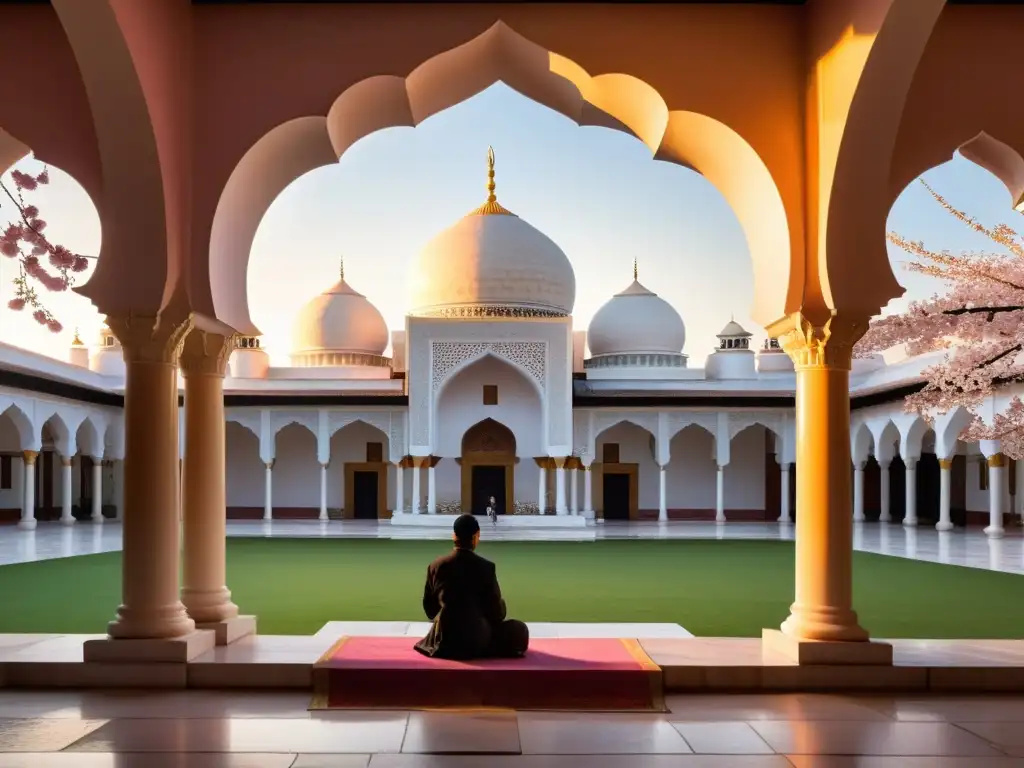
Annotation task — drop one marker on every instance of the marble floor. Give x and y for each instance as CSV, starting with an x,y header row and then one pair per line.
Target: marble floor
x,y
205,729
967,547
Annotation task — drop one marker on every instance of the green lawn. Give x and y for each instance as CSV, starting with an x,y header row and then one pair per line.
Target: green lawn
x,y
709,587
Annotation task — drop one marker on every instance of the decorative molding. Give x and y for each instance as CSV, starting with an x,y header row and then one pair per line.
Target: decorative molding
x,y
740,420
636,361
448,357
483,311
338,420
281,419
677,421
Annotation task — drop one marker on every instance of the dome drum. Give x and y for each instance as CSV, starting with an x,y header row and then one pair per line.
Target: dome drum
x,y
324,359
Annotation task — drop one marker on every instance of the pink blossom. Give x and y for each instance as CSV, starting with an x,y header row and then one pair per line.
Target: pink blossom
x,y
44,177
40,317
80,265
979,322
54,325
23,181
16,304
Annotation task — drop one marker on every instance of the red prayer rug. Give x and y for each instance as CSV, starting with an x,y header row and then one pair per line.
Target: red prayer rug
x,y
602,675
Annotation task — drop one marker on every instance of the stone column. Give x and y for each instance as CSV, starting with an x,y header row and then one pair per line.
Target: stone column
x,y
784,504
945,522
910,517
97,489
574,494
28,491
662,494
858,492
822,609
119,489
720,495
204,508
996,486
66,490
416,495
323,493
588,490
431,487
560,508
150,608
268,491
399,488
542,489
885,500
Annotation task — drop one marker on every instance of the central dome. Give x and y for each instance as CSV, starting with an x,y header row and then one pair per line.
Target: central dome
x,y
491,263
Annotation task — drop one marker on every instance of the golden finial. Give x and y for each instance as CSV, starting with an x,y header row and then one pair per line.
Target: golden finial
x,y
76,342
634,268
492,206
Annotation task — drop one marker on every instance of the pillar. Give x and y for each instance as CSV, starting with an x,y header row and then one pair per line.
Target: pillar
x,y
910,518
119,489
945,522
323,493
66,490
97,489
268,491
150,607
822,608
542,490
662,494
858,492
588,491
574,494
399,489
560,508
884,502
720,495
416,497
431,487
784,503
996,487
204,505
28,491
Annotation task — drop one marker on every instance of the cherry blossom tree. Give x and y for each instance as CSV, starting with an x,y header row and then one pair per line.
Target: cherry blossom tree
x,y
23,240
979,321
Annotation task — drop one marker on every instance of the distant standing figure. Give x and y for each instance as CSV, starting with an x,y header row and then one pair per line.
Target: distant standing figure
x,y
463,600
492,510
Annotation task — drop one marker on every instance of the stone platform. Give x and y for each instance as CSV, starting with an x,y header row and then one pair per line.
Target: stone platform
x,y
690,664
505,522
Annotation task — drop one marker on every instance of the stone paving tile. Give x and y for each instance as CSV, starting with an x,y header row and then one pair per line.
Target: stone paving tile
x,y
723,739
592,734
570,761
162,760
480,733
43,735
847,761
869,738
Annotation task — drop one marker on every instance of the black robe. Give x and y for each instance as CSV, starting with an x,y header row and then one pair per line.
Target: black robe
x,y
463,600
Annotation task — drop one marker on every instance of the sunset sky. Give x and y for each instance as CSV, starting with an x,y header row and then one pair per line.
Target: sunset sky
x,y
596,192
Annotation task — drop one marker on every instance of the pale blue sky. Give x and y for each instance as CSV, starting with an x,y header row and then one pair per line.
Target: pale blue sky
x,y
596,192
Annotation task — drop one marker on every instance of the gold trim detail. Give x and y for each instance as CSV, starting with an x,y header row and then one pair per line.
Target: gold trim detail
x,y
996,460
492,207
946,463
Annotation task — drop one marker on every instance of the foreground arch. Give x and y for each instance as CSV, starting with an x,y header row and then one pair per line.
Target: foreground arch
x,y
500,54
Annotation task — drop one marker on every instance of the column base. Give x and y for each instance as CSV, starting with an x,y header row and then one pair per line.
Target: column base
x,y
157,650
27,525
719,521
97,520
912,523
784,520
67,521
943,526
992,531
826,652
885,519
858,518
230,630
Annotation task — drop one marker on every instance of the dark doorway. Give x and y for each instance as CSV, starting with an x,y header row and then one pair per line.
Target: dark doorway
x,y
488,481
928,488
364,495
616,496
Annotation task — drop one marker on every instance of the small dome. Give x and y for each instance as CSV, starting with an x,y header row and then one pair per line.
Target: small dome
x,y
734,330
339,320
491,263
636,321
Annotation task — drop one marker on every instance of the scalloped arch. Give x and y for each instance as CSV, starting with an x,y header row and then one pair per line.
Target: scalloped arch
x,y
612,100
27,433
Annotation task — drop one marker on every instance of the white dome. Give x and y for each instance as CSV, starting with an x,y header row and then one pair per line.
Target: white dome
x,y
636,321
339,320
491,263
734,330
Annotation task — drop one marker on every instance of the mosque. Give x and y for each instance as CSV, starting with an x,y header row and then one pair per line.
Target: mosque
x,y
490,391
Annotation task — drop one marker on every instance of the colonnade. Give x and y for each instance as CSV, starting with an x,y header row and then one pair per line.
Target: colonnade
x,y
29,460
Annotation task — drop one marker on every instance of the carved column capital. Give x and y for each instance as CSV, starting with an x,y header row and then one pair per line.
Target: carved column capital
x,y
945,463
206,354
150,339
828,345
997,460
65,461
29,457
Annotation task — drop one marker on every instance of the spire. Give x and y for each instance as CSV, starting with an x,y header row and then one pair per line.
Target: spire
x,y
77,342
634,268
341,269
492,206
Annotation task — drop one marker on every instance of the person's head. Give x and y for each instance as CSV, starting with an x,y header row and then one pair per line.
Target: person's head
x,y
492,500
466,532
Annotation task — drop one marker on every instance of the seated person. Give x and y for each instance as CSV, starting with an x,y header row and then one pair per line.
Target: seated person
x,y
463,600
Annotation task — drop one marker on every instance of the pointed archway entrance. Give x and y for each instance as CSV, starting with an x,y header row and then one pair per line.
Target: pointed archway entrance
x,y
488,466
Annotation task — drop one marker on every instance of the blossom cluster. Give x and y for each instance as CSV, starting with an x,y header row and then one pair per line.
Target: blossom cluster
x,y
25,241
979,322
